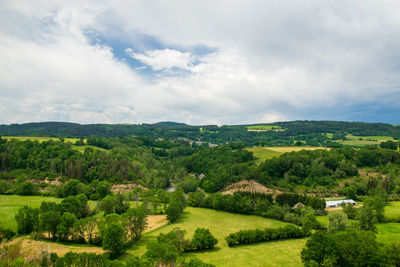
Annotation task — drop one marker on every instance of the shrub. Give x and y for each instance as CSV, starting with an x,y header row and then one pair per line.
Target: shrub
x,y
268,234
203,239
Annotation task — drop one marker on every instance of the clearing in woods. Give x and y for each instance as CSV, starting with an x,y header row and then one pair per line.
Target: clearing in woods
x,y
353,140
264,128
220,224
264,153
10,204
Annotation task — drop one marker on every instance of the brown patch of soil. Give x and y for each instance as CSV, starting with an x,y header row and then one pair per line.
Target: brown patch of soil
x,y
155,221
124,188
33,247
249,186
340,208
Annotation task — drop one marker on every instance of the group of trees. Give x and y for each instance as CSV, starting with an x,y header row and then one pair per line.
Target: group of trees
x,y
343,248
309,132
71,220
135,159
176,206
13,255
168,247
221,166
226,164
353,243
263,205
268,234
128,161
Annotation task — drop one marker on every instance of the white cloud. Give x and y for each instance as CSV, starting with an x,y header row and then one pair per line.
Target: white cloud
x,y
271,60
164,59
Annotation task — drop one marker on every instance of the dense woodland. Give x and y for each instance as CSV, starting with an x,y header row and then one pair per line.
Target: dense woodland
x,y
308,132
26,167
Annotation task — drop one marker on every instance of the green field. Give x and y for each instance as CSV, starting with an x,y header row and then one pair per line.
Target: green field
x,y
41,139
392,211
353,140
82,148
263,127
279,253
388,232
263,153
10,204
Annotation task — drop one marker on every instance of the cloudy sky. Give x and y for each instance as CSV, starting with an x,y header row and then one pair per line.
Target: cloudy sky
x,y
199,62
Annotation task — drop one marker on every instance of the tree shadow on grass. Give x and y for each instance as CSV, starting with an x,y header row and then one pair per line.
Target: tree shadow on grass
x,y
215,249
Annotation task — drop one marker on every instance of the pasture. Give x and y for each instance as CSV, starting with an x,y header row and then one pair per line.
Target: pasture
x,y
264,153
221,224
392,211
10,204
352,140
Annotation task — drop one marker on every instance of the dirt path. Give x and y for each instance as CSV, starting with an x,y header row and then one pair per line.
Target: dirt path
x,y
155,221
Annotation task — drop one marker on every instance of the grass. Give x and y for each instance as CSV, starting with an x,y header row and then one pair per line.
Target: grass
x,y
353,140
82,148
263,127
388,232
264,153
10,204
220,224
41,138
392,211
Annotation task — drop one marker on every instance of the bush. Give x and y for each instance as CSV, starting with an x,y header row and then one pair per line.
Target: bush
x,y
203,239
268,234
114,239
6,234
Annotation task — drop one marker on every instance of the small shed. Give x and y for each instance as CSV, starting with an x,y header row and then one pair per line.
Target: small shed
x,y
339,203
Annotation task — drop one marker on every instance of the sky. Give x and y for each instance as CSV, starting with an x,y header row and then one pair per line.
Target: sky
x,y
199,62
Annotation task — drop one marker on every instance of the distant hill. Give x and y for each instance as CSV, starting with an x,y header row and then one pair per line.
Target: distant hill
x,y
312,133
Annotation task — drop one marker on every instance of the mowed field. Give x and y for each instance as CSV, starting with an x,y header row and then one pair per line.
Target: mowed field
x,y
392,211
10,204
264,153
363,140
220,224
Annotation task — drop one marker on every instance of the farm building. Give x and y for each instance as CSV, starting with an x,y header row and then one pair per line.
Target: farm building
x,y
338,203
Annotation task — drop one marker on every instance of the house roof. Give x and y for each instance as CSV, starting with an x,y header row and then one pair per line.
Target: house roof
x,y
298,205
335,202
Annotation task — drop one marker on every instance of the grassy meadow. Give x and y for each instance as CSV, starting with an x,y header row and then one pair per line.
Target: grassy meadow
x,y
10,204
264,153
392,211
353,140
221,224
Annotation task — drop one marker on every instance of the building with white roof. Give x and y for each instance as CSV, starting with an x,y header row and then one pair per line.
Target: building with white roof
x,y
338,203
